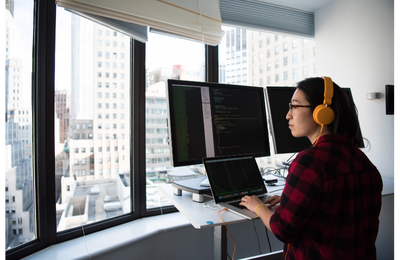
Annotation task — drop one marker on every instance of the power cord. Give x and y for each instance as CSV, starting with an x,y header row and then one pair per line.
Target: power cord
x,y
269,242
258,238
234,243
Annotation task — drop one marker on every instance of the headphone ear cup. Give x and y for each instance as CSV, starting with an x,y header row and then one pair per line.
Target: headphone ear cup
x,y
323,115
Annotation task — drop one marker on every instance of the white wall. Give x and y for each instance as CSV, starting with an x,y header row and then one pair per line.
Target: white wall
x,y
355,46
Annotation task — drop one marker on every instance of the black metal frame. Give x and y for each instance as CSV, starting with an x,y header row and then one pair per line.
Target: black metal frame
x,y
43,135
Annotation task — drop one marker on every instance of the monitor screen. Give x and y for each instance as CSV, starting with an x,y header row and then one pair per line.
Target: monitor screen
x,y
278,99
213,119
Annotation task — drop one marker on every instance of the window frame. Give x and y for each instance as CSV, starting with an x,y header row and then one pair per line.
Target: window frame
x,y
43,75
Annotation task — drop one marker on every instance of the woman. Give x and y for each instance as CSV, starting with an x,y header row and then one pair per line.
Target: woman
x,y
329,208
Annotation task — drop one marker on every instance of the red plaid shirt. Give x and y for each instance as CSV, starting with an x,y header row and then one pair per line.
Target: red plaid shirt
x,y
330,204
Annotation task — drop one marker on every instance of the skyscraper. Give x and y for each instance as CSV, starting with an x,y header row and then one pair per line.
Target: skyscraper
x,y
20,212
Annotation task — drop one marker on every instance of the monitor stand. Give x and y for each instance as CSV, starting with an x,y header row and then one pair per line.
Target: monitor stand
x,y
192,186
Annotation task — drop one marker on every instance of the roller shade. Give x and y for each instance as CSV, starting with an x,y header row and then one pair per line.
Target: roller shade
x,y
265,16
199,20
134,31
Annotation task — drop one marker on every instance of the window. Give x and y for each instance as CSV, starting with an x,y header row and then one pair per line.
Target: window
x,y
285,61
158,45
295,73
294,59
294,44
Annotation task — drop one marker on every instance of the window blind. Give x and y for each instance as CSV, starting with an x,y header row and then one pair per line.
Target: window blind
x,y
266,16
199,20
137,32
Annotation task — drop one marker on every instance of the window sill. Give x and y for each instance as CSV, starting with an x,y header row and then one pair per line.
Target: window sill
x,y
112,239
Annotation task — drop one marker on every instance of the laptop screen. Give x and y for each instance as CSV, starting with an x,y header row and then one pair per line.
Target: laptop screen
x,y
233,177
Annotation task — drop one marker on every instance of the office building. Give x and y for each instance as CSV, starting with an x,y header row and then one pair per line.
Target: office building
x,y
63,111
233,66
280,60
19,194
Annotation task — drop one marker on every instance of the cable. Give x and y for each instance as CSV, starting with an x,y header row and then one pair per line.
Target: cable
x,y
234,243
258,238
269,242
287,251
83,231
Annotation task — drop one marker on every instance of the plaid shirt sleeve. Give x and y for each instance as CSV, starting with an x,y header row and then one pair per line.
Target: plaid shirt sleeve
x,y
330,204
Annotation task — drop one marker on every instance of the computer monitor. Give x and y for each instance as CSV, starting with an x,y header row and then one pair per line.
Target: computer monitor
x,y
278,99
213,119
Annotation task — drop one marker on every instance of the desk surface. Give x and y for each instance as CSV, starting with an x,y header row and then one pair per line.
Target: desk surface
x,y
201,215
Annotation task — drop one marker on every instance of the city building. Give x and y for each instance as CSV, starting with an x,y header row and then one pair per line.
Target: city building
x,y
279,60
62,105
19,194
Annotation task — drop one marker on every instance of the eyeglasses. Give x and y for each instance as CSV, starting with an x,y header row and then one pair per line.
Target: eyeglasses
x,y
291,106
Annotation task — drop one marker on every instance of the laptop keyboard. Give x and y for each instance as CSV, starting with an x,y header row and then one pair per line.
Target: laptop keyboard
x,y
263,198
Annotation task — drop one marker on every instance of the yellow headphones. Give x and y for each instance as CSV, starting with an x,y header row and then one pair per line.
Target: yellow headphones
x,y
323,114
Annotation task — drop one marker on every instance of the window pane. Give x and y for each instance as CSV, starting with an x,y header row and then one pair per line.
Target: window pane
x,y
286,61
91,185
166,58
20,219
236,63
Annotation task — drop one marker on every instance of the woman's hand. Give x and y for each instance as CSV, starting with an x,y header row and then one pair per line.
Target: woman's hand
x,y
251,202
273,201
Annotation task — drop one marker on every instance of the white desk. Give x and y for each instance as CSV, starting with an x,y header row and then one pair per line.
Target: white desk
x,y
201,216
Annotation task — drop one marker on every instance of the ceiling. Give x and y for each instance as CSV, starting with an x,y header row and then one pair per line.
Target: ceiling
x,y
306,5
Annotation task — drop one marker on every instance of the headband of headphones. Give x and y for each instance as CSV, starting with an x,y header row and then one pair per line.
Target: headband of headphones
x,y
328,93
324,115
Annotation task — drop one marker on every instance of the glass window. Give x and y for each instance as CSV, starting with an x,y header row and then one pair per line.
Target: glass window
x,y
87,107
294,58
178,52
295,73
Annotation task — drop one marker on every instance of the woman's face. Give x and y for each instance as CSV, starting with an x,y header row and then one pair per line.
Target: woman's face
x,y
301,122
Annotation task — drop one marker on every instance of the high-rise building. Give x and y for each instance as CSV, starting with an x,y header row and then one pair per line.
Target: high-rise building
x,y
10,6
279,60
81,68
62,106
233,68
19,195
100,93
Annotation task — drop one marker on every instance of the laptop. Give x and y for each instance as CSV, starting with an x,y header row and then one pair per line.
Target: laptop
x,y
231,178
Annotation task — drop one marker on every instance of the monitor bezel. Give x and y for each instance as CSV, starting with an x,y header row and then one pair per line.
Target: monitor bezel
x,y
171,142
